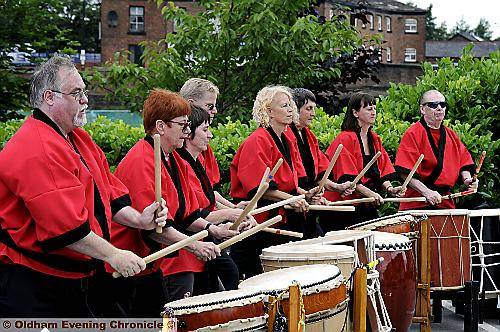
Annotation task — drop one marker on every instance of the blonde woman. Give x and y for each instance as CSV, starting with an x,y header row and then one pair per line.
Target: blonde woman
x,y
273,111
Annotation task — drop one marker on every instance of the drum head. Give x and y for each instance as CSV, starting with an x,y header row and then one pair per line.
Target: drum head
x,y
444,212
307,252
310,277
384,221
391,242
219,300
344,236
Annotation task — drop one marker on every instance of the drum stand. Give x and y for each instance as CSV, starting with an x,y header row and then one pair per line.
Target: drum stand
x,y
377,304
422,311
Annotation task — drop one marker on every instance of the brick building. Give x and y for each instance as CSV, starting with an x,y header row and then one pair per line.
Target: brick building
x,y
126,23
402,27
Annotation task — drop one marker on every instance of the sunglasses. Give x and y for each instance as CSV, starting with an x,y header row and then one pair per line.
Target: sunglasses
x,y
435,104
210,107
185,125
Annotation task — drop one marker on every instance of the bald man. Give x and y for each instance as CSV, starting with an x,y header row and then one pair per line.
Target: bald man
x,y
446,159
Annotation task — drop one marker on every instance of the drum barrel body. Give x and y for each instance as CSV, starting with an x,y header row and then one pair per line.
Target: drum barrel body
x,y
398,286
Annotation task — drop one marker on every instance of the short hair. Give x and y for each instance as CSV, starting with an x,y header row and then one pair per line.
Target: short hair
x,y
264,99
46,77
426,94
198,117
163,105
196,88
301,96
356,101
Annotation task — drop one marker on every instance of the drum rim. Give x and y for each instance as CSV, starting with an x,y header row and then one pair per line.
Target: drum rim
x,y
277,290
440,212
249,294
373,221
343,249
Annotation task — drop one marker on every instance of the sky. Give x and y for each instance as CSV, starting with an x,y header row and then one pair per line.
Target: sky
x,y
450,11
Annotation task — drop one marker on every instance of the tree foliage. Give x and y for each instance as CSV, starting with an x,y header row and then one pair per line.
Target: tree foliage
x,y
41,26
432,30
239,45
483,29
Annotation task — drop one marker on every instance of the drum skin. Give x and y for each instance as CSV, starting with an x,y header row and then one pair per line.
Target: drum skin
x,y
398,286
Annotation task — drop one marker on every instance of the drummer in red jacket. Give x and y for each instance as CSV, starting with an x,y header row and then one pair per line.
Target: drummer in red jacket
x,y
446,159
361,143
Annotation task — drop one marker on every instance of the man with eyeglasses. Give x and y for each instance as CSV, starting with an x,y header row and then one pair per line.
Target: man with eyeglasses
x,y
446,158
58,201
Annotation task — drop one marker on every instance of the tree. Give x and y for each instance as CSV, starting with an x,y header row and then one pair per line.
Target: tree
x,y
483,29
461,27
432,31
43,26
239,45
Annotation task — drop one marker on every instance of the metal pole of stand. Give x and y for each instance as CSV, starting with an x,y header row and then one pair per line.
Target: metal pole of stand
x,y
471,312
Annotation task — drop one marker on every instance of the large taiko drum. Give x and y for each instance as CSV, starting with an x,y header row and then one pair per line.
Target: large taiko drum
x,y
235,310
361,241
323,293
485,250
450,247
397,277
403,223
285,255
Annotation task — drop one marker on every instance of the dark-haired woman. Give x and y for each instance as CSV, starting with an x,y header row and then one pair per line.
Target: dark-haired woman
x,y
361,143
314,160
223,267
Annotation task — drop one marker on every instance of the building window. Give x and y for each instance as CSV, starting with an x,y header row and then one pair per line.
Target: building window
x,y
389,55
379,23
410,55
136,19
370,18
388,26
112,19
356,22
411,25
135,53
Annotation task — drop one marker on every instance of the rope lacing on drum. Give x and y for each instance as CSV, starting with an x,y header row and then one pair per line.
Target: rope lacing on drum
x,y
394,246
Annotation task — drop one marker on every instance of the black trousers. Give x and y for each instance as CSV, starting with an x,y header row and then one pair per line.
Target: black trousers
x,y
27,293
178,286
137,297
222,268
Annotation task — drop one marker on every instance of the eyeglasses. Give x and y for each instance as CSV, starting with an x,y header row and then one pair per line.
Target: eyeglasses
x,y
435,104
78,95
210,107
184,125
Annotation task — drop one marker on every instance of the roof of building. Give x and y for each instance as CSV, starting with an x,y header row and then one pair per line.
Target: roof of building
x,y
388,6
453,49
461,36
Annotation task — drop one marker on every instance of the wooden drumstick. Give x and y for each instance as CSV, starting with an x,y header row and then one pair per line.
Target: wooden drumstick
x,y
353,201
479,165
275,169
170,249
413,170
157,151
278,231
460,194
250,205
326,208
277,204
330,167
265,177
367,167
249,232
404,199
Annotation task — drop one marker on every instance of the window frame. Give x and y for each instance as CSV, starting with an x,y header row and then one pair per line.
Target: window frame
x,y
388,24
409,26
371,20
411,55
136,22
379,22
388,57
